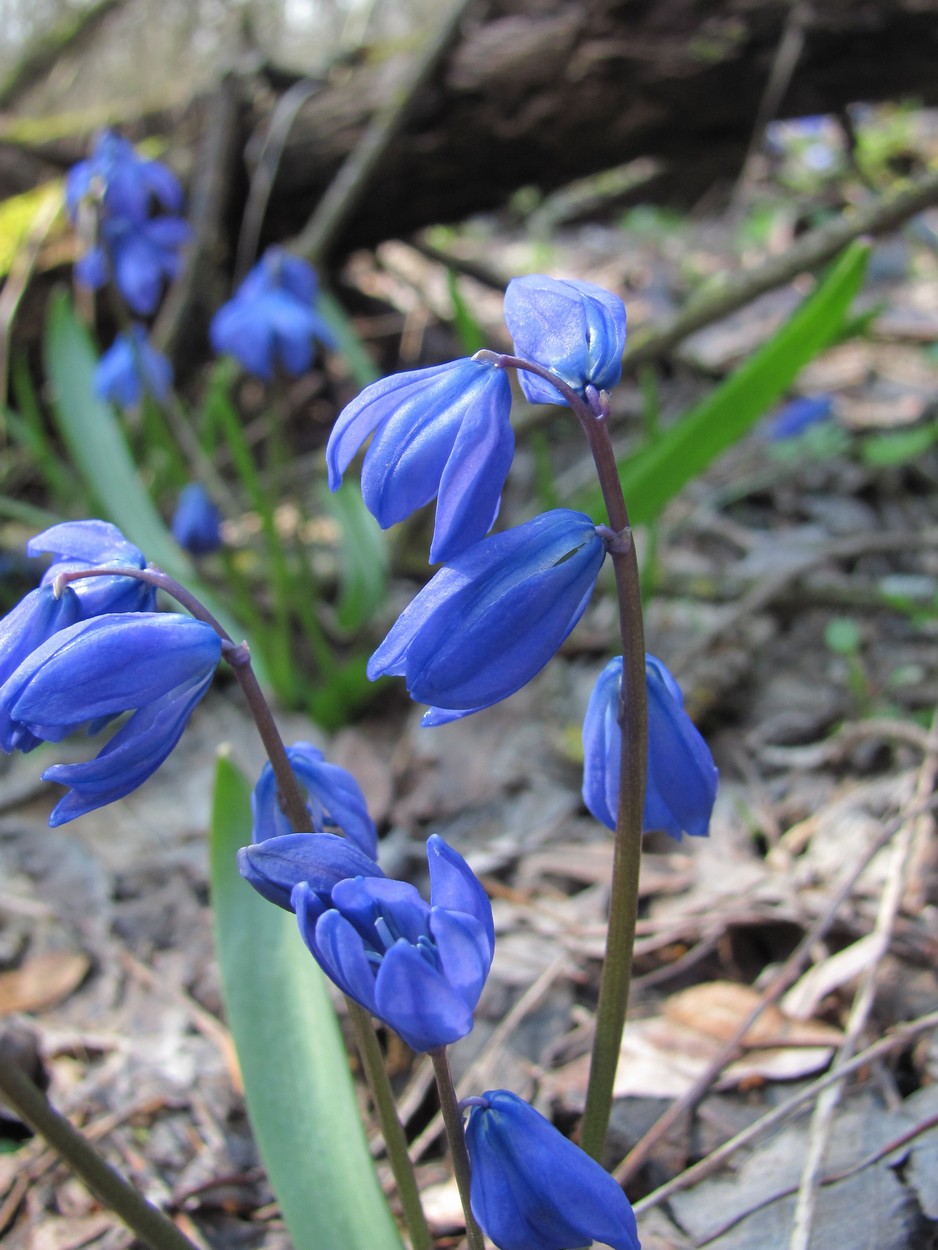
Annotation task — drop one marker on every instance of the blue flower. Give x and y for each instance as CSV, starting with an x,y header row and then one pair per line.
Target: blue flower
x,y
272,319
131,366
575,329
334,801
533,1189
275,866
125,183
682,778
158,665
418,967
140,251
488,621
799,415
76,545
441,433
197,522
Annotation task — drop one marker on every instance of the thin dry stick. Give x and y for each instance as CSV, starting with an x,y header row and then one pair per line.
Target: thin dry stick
x,y
823,1119
812,249
356,175
897,1040
780,982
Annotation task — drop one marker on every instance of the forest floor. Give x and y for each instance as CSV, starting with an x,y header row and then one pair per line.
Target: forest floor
x,y
795,597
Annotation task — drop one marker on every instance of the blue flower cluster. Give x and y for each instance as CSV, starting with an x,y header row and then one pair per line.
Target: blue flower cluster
x,y
272,322
91,651
136,247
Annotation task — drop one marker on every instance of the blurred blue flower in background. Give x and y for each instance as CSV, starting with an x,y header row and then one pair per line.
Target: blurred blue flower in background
x,y
491,618
443,433
575,329
797,416
196,522
334,801
131,366
272,320
418,967
126,240
682,778
533,1189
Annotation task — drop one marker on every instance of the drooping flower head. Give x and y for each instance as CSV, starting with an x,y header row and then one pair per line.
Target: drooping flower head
x,y
440,433
272,318
533,1189
682,778
576,329
158,665
490,620
334,801
419,967
131,366
125,183
196,522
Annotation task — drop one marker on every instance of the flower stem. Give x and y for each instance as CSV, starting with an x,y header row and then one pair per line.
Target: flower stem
x,y
452,1122
148,1223
395,1141
593,414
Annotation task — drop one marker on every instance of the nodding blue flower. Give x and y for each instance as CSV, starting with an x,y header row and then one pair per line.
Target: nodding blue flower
x,y
489,620
123,182
272,318
533,1189
197,522
334,801
131,366
76,545
799,415
575,329
682,778
140,256
275,866
419,967
158,665
442,433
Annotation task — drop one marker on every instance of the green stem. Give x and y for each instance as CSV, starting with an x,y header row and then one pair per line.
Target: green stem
x,y
395,1141
455,1134
148,1223
593,414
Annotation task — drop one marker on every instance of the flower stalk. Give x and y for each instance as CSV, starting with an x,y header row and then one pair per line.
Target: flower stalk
x,y
455,1135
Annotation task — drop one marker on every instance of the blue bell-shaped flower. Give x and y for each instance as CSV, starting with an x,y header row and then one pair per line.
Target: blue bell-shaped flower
x,y
488,621
131,366
196,522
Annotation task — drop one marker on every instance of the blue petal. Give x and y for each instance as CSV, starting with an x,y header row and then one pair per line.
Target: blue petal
x,y
417,1001
110,664
464,953
532,1189
362,900
134,753
337,948
602,745
491,619
34,620
87,542
320,860
455,887
682,777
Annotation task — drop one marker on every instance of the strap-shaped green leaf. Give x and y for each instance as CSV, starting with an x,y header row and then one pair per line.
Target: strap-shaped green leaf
x,y
656,472
297,1082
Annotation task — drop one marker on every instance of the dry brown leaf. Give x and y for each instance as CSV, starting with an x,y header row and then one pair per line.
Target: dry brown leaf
x,y
42,982
718,1008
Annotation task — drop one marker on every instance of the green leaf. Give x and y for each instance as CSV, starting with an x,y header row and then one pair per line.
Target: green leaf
x,y
470,334
662,467
363,557
101,456
298,1087
348,341
899,446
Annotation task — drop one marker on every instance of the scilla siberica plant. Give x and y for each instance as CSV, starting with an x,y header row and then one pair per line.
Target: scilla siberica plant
x,y
88,646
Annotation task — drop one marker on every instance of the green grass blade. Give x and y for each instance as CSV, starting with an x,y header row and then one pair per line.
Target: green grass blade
x,y
661,468
296,1075
100,454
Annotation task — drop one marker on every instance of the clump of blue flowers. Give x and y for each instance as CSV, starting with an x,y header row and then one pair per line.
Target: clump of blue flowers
x,y
127,207
271,321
